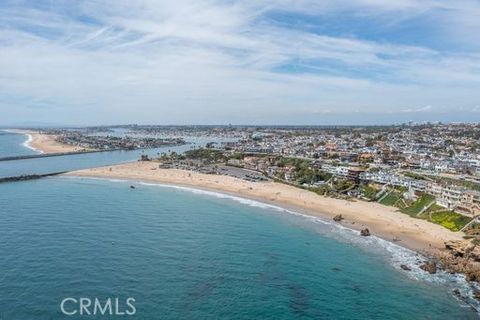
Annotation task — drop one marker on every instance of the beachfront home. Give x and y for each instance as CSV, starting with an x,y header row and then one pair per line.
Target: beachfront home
x,y
469,203
446,196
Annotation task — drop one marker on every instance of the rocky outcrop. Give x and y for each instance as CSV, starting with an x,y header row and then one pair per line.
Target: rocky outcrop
x,y
462,256
365,232
405,267
464,248
476,294
338,218
430,267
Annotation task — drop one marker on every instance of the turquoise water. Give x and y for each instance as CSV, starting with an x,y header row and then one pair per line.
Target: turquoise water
x,y
11,144
185,255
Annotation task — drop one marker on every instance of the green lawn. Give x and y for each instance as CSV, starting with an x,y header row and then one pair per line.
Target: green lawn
x,y
391,199
447,219
434,208
450,220
418,205
369,192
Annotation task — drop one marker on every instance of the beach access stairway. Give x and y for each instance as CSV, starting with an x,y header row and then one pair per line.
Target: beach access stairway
x,y
384,196
426,208
382,193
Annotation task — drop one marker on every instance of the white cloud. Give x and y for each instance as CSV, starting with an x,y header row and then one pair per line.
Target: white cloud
x,y
421,109
151,61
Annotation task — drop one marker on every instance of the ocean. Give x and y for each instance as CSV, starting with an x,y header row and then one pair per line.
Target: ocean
x,y
14,144
187,254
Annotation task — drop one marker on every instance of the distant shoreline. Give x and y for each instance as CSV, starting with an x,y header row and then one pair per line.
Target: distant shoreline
x,y
43,143
27,143
382,221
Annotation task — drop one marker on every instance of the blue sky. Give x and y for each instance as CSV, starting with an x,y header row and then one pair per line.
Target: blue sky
x,y
240,62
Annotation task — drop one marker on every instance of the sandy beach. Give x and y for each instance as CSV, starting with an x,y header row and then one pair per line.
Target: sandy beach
x,y
382,221
46,143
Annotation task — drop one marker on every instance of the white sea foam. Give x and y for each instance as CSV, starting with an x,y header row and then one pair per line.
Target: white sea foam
x,y
27,143
396,254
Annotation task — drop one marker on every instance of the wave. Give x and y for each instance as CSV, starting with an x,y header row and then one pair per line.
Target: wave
x,y
396,254
27,143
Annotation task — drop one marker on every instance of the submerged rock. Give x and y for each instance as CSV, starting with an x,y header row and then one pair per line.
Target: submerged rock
x,y
457,292
430,267
476,295
405,267
365,232
338,218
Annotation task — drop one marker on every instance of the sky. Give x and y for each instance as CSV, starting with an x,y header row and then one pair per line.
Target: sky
x,y
258,62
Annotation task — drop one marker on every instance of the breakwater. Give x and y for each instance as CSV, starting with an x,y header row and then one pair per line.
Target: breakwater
x,y
57,154
29,177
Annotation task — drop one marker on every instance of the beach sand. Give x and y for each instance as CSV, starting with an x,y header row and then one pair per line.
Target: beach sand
x,y
46,143
382,221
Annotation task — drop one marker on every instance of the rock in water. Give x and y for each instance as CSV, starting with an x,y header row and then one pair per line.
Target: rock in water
x,y
338,218
471,275
405,267
476,295
457,292
132,187
365,232
429,267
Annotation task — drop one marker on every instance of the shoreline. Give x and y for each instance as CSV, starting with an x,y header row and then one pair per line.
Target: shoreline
x,y
43,143
382,221
27,143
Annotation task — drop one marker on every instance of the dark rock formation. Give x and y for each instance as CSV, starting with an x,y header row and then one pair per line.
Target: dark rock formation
x,y
405,267
457,293
476,295
365,232
338,218
430,267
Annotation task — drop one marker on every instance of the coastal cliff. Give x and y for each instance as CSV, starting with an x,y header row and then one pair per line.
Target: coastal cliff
x,y
462,257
